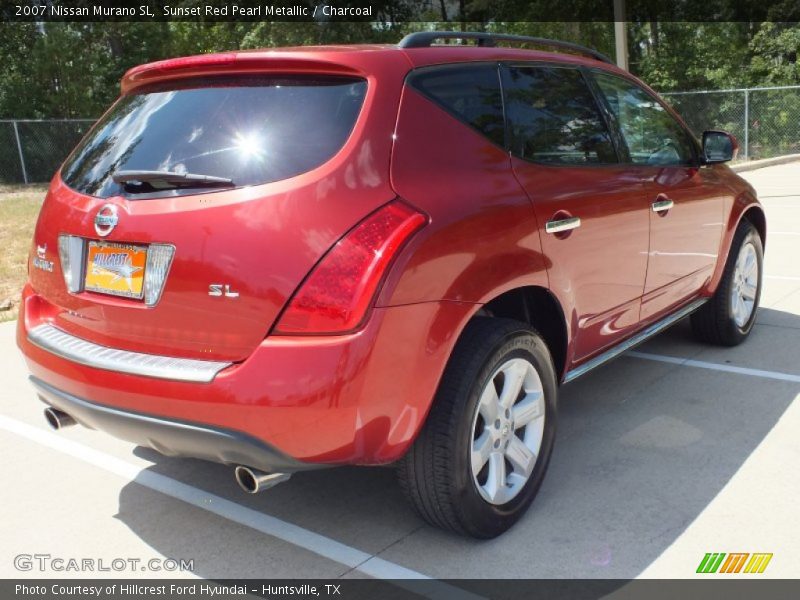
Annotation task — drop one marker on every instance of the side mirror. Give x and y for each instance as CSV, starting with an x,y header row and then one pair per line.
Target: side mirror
x,y
719,147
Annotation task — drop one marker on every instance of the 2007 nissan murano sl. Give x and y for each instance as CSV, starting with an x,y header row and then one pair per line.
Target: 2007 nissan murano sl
x,y
290,259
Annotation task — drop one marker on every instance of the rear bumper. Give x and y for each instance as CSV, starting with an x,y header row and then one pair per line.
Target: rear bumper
x,y
169,437
301,401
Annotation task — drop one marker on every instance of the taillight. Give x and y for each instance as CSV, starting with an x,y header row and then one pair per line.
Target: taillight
x,y
339,291
70,252
159,258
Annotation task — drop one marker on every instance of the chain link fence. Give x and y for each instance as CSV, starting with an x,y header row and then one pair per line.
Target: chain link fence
x,y
766,120
32,150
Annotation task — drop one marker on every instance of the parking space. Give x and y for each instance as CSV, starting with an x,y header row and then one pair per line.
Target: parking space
x,y
672,451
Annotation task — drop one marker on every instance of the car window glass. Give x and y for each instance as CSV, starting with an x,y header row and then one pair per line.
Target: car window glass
x,y
652,135
471,93
553,117
251,130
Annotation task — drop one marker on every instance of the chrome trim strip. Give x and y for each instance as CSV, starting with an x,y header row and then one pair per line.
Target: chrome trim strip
x,y
637,339
662,205
73,348
562,225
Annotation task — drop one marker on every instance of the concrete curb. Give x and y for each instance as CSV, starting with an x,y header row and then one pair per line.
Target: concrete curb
x,y
767,162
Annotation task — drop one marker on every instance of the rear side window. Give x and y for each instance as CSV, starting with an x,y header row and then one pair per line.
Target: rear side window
x,y
249,130
553,117
471,93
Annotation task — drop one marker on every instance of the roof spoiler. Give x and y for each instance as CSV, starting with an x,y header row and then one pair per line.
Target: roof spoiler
x,y
425,39
230,63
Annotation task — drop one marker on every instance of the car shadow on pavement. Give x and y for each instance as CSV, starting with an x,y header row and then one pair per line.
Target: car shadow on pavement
x,y
642,448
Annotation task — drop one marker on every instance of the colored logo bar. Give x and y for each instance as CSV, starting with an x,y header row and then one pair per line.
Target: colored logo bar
x,y
734,562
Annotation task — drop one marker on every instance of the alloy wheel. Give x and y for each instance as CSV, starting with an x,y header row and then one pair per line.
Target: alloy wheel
x,y
745,284
507,431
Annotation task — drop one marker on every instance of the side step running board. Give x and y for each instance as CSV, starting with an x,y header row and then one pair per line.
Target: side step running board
x,y
637,339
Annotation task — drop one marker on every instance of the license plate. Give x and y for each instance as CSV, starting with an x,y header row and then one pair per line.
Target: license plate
x,y
116,269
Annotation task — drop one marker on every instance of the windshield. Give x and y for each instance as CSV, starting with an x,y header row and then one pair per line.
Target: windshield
x,y
250,131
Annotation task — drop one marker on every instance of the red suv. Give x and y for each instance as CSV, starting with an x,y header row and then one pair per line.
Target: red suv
x,y
299,258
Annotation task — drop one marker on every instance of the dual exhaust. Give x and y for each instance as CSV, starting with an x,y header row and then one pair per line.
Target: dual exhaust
x,y
250,480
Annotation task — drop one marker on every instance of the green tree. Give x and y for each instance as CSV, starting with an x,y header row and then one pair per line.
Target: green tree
x,y
15,41
73,70
774,51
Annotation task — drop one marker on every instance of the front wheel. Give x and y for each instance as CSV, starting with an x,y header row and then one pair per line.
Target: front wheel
x,y
728,317
483,452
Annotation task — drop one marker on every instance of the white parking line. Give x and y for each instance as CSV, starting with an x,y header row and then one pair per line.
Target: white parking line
x,y
782,277
701,364
326,547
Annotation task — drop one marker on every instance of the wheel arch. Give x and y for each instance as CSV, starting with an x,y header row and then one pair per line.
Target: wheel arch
x,y
755,215
538,307
745,208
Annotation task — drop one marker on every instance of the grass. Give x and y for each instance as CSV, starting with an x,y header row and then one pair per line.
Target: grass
x,y
19,206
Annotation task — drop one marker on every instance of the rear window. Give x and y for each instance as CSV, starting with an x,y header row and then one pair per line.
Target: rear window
x,y
553,117
251,130
471,93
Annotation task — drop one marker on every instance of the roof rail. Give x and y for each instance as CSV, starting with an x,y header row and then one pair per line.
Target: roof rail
x,y
425,39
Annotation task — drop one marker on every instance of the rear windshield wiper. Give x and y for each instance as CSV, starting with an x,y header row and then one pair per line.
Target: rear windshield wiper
x,y
168,179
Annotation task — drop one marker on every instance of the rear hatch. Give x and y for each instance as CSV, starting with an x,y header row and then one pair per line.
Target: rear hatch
x,y
258,175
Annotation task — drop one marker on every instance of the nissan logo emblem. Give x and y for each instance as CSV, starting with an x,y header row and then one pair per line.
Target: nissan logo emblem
x,y
106,219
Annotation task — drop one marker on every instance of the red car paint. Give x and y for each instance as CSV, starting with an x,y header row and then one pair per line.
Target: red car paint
x,y
360,397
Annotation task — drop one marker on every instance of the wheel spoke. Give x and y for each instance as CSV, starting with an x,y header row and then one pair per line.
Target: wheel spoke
x,y
481,449
748,291
489,404
750,264
512,383
496,481
527,410
520,457
738,310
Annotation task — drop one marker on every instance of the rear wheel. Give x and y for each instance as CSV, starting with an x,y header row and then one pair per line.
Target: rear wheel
x,y
483,452
728,317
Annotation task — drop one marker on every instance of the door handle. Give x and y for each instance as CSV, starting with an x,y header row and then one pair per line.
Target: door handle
x,y
662,205
560,225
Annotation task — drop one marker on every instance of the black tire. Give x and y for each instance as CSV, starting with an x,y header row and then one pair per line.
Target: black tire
x,y
436,474
714,323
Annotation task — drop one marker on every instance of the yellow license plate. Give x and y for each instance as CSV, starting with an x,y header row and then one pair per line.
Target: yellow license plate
x,y
116,269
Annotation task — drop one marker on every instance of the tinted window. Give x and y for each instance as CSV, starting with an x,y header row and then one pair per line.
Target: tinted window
x,y
249,130
653,137
553,117
471,93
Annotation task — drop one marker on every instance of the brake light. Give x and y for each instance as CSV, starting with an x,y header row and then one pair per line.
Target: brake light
x,y
339,291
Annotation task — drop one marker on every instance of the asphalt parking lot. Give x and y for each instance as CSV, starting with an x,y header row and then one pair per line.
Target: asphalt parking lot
x,y
674,450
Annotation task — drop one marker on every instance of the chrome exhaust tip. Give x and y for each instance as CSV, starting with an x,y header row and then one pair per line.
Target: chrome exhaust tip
x,y
253,481
57,419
